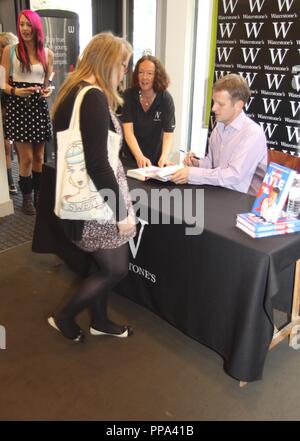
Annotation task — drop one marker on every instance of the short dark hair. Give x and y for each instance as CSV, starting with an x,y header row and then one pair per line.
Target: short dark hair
x,y
235,85
275,190
161,78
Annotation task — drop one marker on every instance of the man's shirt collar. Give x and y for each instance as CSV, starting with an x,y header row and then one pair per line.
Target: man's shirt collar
x,y
236,124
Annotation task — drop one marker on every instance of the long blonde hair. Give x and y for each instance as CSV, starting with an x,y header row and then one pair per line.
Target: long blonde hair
x,y
6,38
102,55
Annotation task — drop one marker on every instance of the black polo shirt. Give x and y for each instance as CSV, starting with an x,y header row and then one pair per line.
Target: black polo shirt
x,y
149,126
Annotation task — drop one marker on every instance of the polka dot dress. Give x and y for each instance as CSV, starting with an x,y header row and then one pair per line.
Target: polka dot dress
x,y
27,119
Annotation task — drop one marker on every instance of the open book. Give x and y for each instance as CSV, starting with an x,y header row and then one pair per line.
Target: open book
x,y
153,172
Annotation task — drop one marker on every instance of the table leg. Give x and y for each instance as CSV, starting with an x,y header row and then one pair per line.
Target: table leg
x,y
295,308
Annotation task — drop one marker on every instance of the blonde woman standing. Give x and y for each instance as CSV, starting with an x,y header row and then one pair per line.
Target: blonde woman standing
x,y
102,64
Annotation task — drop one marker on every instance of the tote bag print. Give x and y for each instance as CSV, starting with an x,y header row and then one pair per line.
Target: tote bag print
x,y
76,195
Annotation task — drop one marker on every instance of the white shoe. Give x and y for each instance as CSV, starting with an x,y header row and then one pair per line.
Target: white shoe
x,y
52,323
127,332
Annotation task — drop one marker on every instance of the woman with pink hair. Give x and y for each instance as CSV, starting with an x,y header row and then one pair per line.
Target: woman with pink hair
x,y
28,66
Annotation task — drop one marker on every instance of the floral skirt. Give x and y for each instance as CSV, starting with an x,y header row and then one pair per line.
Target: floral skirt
x,y
106,235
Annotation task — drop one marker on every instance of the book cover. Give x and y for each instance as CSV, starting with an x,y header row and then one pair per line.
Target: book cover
x,y
269,233
258,224
153,172
273,192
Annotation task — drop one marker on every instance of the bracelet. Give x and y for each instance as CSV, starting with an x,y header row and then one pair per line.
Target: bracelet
x,y
13,91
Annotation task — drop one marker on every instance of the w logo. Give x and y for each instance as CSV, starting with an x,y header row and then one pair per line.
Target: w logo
x,y
71,29
228,4
271,104
248,104
256,4
157,116
253,28
287,3
135,247
269,129
295,105
224,52
226,29
282,28
293,132
249,77
250,52
221,73
296,77
278,53
274,79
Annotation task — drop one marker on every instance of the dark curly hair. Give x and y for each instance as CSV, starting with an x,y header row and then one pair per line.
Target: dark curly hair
x,y
161,78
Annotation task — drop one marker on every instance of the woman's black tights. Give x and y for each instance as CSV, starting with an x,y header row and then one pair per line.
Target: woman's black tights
x,y
112,266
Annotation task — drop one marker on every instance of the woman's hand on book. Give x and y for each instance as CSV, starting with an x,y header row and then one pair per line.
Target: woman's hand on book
x,y
142,161
164,162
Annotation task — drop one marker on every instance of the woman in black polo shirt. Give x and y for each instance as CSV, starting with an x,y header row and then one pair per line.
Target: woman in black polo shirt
x,y
148,114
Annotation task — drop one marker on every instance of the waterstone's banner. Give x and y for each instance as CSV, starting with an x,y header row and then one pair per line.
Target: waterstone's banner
x,y
260,40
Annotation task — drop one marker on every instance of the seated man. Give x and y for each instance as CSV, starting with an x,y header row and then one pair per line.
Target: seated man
x,y
237,153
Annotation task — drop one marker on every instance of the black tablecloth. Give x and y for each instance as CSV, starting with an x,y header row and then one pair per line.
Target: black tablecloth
x,y
218,287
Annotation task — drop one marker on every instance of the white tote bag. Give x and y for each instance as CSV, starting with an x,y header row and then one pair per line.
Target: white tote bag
x,y
76,196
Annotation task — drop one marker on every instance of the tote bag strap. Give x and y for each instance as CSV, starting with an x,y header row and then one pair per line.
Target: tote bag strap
x,y
12,51
74,123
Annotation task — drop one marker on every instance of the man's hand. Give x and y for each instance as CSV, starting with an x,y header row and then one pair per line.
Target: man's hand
x,y
190,160
181,176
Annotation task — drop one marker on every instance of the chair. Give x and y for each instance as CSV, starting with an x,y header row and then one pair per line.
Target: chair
x,y
284,159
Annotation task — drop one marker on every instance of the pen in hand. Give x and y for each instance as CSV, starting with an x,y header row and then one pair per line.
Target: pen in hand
x,y
194,156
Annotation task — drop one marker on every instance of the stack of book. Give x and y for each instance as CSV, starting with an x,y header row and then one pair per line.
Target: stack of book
x,y
256,226
267,217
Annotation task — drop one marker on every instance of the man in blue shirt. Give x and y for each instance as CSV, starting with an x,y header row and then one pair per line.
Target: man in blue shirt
x,y
237,153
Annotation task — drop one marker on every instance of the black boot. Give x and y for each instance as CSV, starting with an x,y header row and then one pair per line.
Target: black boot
x,y
25,184
36,178
11,184
27,206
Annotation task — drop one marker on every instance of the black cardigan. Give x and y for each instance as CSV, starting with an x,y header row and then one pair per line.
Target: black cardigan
x,y
95,121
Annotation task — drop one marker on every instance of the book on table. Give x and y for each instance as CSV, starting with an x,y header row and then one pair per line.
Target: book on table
x,y
256,226
153,172
273,192
266,233
267,217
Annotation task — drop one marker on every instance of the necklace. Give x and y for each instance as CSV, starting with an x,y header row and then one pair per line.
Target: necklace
x,y
145,102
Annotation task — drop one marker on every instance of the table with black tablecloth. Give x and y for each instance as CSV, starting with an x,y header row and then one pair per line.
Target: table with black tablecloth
x,y
219,287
